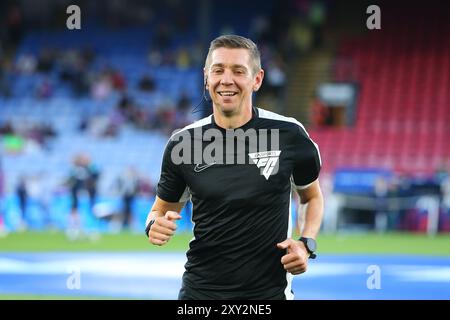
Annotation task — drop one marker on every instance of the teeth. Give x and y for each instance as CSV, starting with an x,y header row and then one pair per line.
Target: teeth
x,y
228,94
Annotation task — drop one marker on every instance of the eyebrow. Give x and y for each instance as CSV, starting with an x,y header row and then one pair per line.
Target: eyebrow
x,y
234,66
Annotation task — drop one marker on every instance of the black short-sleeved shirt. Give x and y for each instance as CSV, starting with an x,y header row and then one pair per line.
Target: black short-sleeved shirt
x,y
240,210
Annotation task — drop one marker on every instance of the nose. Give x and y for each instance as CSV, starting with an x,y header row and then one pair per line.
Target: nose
x,y
227,78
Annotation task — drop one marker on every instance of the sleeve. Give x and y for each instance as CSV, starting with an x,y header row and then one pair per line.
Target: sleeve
x,y
171,186
307,163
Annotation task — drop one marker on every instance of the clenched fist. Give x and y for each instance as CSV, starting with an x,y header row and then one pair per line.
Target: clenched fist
x,y
296,259
163,228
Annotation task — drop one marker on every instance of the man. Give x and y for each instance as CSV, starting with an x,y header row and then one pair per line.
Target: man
x,y
22,195
241,211
84,175
3,231
128,187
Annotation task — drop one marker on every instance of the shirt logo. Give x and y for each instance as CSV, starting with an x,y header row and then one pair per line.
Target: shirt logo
x,y
199,168
267,161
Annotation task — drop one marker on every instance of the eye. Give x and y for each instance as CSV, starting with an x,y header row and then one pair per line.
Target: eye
x,y
217,71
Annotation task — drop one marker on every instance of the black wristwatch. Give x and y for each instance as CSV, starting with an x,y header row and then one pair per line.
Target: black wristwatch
x,y
149,225
311,246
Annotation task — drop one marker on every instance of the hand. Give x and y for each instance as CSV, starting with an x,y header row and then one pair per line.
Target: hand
x,y
163,228
296,259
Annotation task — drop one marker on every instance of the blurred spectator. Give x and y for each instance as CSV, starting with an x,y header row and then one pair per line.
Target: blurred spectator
x,y
84,176
299,39
146,188
6,128
117,80
183,58
22,196
39,191
442,177
45,89
46,60
164,119
163,37
47,130
259,27
26,64
101,126
87,56
276,77
183,114
128,188
3,231
101,88
5,85
17,139
128,109
445,189
155,57
34,133
381,192
81,84
317,19
13,143
74,68
147,83
321,115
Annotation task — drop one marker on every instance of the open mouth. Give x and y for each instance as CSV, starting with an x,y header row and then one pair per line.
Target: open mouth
x,y
227,93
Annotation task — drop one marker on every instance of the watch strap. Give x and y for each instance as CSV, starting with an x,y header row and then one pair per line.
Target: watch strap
x,y
149,225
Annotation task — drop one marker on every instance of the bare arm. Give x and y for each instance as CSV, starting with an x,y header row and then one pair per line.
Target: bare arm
x,y
296,259
311,201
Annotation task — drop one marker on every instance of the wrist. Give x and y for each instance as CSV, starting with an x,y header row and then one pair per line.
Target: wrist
x,y
149,222
310,245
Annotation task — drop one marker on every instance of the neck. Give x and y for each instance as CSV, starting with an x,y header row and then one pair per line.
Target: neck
x,y
233,120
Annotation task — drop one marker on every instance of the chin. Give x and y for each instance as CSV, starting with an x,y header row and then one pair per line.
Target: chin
x,y
228,109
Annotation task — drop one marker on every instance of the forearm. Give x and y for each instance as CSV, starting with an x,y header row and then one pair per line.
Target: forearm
x,y
313,213
160,207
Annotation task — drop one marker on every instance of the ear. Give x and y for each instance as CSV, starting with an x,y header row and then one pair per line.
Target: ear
x,y
258,80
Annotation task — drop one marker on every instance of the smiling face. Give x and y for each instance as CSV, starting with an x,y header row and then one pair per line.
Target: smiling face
x,y
231,80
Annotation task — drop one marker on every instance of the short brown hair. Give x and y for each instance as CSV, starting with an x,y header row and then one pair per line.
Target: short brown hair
x,y
232,41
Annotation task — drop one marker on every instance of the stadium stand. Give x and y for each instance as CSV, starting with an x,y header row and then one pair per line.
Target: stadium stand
x,y
403,109
112,92
403,76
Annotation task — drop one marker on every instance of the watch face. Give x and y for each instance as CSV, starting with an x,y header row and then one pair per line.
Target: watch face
x,y
311,243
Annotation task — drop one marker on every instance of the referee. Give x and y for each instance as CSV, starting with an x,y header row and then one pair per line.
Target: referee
x,y
242,246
